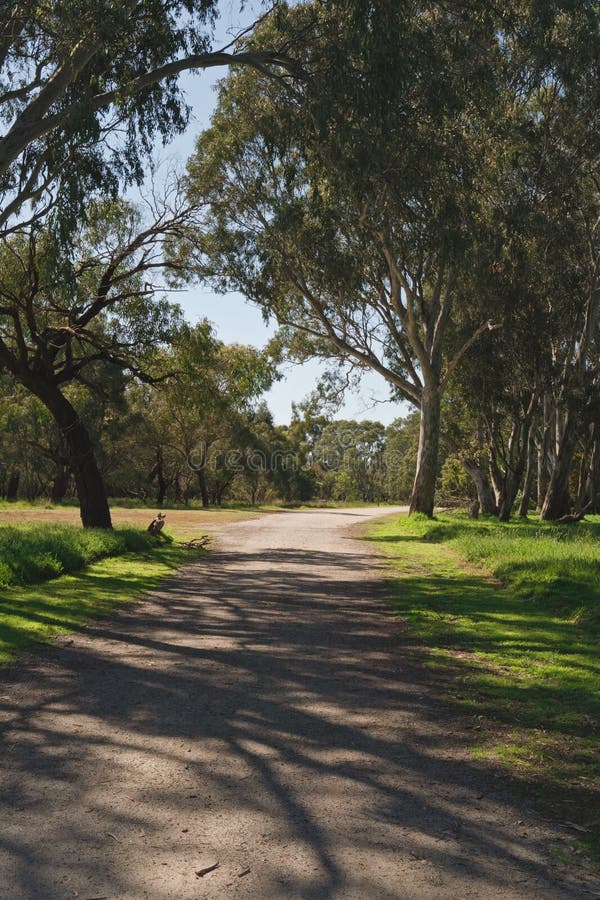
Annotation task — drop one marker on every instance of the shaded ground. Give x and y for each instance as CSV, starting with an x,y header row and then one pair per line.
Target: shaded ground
x,y
260,711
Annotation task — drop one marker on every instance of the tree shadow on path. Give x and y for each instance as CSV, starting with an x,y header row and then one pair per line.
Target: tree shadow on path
x,y
262,709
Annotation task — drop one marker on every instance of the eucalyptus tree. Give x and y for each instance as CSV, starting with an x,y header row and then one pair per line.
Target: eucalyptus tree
x,y
573,392
197,415
86,86
556,157
346,209
62,320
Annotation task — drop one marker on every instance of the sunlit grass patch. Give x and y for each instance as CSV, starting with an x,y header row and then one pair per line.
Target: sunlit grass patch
x,y
33,553
30,613
510,615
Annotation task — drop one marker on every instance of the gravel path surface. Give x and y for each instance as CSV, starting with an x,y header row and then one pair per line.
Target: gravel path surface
x,y
258,715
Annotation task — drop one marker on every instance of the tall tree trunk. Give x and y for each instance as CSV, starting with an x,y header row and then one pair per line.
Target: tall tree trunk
x,y
557,502
543,452
508,457
509,495
91,491
481,480
161,484
202,478
158,472
203,488
177,496
592,492
582,478
423,494
528,483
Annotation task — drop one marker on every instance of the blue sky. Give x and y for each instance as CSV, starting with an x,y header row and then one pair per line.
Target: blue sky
x,y
235,319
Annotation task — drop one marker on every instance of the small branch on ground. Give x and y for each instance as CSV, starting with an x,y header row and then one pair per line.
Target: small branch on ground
x,y
200,543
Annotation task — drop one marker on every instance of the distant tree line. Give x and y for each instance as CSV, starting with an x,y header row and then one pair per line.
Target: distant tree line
x,y
202,435
205,437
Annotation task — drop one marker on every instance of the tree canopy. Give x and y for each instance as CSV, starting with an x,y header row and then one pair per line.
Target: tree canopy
x,y
87,87
372,212
408,187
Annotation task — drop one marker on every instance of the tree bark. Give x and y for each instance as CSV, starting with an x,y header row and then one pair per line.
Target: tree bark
x,y
528,483
202,479
509,457
177,493
204,495
507,501
423,494
592,492
91,491
159,471
557,502
543,452
481,480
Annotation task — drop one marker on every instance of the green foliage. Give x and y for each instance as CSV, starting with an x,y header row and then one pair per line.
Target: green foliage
x,y
69,72
35,553
422,200
350,457
510,615
32,614
203,427
400,457
556,565
455,484
314,212
100,305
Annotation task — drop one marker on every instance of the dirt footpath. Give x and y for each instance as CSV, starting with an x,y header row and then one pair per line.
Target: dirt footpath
x,y
257,715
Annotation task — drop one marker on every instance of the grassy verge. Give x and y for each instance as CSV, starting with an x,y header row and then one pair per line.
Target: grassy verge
x,y
510,616
33,553
106,569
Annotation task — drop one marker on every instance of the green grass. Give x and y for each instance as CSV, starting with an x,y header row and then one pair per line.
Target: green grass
x,y
33,553
106,569
510,616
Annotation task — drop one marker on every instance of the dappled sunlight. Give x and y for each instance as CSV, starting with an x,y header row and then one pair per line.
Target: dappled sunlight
x,y
36,613
524,668
263,693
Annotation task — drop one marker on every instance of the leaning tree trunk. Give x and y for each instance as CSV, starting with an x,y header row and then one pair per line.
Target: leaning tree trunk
x,y
91,491
481,480
423,494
